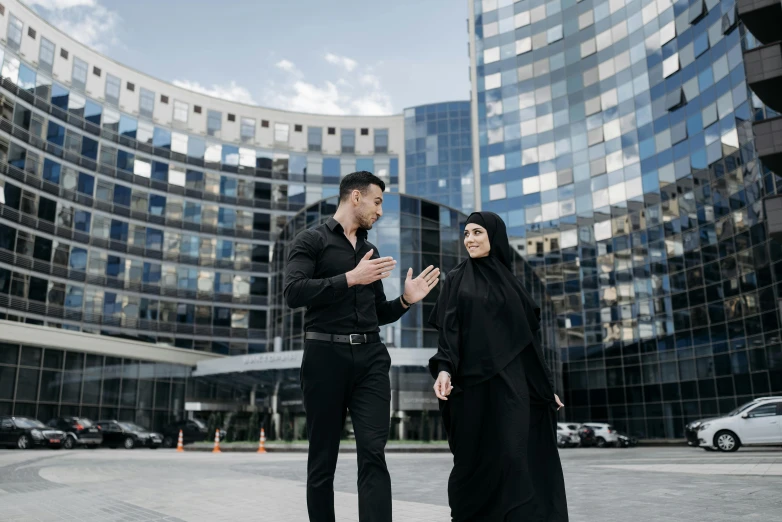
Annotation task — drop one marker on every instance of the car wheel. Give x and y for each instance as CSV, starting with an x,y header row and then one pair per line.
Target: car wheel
x,y
68,443
23,442
601,442
726,441
168,442
130,443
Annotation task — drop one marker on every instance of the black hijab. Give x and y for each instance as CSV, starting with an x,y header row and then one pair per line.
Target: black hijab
x,y
484,315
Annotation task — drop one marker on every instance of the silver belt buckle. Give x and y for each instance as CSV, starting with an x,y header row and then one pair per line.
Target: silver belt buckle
x,y
360,336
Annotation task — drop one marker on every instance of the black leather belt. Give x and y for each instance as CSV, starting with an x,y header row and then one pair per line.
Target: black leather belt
x,y
344,339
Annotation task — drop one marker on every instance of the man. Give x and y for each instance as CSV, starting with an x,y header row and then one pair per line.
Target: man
x,y
337,274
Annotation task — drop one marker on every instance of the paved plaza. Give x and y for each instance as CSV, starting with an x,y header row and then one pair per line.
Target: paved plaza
x,y
644,484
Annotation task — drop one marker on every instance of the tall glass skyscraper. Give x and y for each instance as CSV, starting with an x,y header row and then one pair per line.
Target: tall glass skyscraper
x,y
438,154
615,138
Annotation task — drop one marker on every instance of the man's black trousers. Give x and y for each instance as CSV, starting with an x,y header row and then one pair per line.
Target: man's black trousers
x,y
336,378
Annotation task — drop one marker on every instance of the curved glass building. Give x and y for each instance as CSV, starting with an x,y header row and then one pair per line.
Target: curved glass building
x,y
142,228
616,139
138,221
417,233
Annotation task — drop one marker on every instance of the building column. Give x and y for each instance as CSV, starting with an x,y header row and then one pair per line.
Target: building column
x,y
401,416
275,414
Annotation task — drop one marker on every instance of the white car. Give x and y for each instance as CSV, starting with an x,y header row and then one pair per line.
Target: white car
x,y
756,423
567,435
605,434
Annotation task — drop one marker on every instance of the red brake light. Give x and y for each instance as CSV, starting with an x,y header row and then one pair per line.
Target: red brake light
x,y
79,427
99,428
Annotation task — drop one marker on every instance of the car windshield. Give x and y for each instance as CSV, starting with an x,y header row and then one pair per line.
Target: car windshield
x,y
741,408
131,427
23,422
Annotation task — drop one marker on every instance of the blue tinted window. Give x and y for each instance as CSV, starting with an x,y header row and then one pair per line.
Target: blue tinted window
x,y
60,96
154,239
89,148
92,112
55,134
367,164
78,259
122,195
128,126
119,230
81,221
86,184
160,171
331,167
157,204
51,171
161,138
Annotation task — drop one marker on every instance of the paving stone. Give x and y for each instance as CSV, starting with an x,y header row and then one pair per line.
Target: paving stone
x,y
650,484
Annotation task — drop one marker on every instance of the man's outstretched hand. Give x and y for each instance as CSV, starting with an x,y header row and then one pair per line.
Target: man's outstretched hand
x,y
416,289
370,270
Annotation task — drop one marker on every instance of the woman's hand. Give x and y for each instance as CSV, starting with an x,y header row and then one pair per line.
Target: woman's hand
x,y
442,386
559,402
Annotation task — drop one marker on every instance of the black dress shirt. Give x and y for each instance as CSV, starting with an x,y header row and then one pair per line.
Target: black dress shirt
x,y
315,278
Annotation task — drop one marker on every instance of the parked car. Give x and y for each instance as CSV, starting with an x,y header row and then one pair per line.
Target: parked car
x,y
24,433
567,435
128,435
625,441
756,423
79,431
193,430
587,436
605,434
691,430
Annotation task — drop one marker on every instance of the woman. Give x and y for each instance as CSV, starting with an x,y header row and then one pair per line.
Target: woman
x,y
496,392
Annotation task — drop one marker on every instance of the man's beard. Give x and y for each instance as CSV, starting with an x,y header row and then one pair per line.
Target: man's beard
x,y
366,223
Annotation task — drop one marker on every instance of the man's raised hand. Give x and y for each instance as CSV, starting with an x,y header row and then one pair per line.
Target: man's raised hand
x,y
370,270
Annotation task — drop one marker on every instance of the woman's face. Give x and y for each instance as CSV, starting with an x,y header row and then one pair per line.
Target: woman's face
x,y
476,241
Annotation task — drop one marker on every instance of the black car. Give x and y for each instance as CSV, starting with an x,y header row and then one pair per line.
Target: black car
x,y
127,435
625,441
24,433
193,430
79,431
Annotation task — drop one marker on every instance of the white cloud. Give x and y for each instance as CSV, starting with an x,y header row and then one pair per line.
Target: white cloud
x,y
230,92
343,61
285,65
87,21
360,92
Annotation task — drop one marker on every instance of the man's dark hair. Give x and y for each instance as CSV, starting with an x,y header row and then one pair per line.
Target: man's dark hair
x,y
360,180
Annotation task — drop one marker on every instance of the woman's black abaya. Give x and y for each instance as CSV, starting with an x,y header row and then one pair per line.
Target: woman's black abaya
x,y
501,415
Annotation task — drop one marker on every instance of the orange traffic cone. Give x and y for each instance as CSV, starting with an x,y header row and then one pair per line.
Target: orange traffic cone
x,y
179,445
261,447
217,442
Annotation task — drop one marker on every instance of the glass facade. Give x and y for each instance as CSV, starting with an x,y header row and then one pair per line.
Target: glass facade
x,y
615,139
438,154
44,383
145,215
417,233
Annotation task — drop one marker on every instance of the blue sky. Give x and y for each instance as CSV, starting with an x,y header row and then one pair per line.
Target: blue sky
x,y
331,57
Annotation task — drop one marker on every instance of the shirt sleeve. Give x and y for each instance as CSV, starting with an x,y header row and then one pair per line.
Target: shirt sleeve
x,y
300,287
387,311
